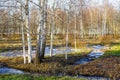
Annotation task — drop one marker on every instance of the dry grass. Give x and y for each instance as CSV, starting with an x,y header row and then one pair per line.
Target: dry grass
x,y
108,67
50,66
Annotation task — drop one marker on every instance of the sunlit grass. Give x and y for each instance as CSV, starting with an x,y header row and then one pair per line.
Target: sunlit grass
x,y
30,77
113,51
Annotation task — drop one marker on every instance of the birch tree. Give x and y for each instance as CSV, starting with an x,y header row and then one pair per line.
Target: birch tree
x,y
23,38
41,32
67,35
81,18
104,18
28,30
75,27
52,28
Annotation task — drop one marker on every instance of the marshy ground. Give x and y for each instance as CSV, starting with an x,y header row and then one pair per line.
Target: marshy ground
x,y
108,65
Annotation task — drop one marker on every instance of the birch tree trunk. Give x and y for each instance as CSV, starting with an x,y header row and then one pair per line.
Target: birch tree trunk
x,y
28,30
104,18
75,30
81,19
44,28
41,32
67,36
104,23
23,38
23,44
51,41
81,26
91,24
52,30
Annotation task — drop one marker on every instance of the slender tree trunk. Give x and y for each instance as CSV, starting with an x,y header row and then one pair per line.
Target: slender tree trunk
x,y
23,43
23,38
44,28
49,29
51,41
104,23
52,30
91,24
38,60
67,36
98,23
81,26
104,18
28,31
75,32
81,19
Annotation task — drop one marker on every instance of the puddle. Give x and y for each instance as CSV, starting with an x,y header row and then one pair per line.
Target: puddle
x,y
5,70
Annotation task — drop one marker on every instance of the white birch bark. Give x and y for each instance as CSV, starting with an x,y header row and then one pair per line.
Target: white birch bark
x,y
67,36
23,44
52,29
41,37
75,30
81,19
28,31
23,38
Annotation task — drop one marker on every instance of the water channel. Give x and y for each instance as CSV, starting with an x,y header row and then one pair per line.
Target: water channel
x,y
96,53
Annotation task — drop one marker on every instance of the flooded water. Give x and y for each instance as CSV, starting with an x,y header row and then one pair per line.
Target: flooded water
x,y
96,53
93,78
17,53
6,70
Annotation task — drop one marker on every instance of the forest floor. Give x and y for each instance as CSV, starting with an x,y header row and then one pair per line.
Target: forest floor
x,y
107,66
52,66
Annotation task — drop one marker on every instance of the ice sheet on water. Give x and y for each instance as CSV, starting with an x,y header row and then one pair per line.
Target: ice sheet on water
x,y
6,70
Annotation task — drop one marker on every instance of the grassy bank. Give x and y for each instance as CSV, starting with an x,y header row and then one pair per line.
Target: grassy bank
x,y
113,51
108,65
33,77
50,66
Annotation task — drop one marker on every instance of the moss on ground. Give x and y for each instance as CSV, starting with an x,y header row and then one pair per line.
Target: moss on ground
x,y
33,77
